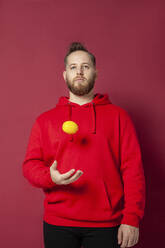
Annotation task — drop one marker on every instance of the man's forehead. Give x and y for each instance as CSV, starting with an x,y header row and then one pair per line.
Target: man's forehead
x,y
79,57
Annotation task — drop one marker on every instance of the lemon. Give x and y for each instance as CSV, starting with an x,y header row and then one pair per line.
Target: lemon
x,y
70,127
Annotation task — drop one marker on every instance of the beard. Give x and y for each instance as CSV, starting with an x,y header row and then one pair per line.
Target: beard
x,y
80,88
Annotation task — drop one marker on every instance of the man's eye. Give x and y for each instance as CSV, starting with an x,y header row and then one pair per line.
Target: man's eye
x,y
86,66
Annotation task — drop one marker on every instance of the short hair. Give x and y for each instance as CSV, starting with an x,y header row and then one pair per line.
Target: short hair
x,y
77,46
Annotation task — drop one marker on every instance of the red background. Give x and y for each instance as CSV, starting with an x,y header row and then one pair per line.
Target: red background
x,y
127,38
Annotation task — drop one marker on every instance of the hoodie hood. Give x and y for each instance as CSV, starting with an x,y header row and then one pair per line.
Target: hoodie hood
x,y
99,99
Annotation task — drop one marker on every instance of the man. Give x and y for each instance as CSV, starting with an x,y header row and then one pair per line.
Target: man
x,y
103,202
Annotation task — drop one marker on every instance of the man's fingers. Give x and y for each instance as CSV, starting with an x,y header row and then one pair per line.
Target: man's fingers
x,y
131,242
119,236
135,241
67,174
125,240
73,178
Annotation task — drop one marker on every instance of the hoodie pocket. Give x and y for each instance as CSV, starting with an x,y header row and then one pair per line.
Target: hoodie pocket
x,y
114,194
108,197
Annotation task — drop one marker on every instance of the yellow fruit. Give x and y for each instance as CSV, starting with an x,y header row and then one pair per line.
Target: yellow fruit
x,y
70,127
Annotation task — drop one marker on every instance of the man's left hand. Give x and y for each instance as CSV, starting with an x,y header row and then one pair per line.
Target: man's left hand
x,y
127,235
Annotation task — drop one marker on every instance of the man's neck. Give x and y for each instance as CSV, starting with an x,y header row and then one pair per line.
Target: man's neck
x,y
81,99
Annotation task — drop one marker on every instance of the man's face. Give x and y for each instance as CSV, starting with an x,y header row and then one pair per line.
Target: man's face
x,y
80,66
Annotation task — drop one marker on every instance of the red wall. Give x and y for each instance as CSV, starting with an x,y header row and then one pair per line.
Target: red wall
x,y
127,38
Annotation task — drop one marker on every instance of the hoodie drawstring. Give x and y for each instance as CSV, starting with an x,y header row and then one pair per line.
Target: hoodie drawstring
x,y
93,130
93,118
70,118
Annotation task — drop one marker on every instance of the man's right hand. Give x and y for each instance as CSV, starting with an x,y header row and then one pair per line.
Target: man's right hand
x,y
64,178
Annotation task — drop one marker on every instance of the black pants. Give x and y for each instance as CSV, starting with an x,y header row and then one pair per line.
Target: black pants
x,y
77,237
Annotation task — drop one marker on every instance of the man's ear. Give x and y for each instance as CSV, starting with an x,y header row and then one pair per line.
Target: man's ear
x,y
64,75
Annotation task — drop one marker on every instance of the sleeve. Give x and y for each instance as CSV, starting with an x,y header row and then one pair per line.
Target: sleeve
x,y
132,172
34,168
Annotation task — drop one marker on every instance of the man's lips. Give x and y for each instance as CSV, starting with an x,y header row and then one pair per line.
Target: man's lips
x,y
79,78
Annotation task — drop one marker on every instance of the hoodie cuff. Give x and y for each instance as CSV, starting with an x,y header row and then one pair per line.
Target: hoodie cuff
x,y
131,219
51,184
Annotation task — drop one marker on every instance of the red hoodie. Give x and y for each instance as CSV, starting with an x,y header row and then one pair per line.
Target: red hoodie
x,y
111,190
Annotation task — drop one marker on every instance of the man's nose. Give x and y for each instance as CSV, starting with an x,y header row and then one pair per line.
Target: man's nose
x,y
80,71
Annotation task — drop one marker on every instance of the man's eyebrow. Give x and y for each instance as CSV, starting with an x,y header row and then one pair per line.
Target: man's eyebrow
x,y
82,63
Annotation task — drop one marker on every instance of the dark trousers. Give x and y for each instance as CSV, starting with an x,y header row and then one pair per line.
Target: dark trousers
x,y
77,237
